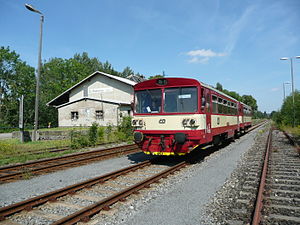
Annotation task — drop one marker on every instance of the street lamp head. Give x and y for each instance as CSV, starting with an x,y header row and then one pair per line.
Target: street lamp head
x,y
31,8
284,58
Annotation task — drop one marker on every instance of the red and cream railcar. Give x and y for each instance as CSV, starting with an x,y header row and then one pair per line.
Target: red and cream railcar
x,y
172,116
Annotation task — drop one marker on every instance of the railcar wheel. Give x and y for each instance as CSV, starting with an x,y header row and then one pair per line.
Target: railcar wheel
x,y
216,140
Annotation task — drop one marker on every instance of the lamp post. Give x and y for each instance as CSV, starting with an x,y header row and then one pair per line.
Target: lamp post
x,y
292,77
37,91
284,83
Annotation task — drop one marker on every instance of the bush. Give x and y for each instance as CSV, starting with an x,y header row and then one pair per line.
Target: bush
x,y
78,139
93,134
101,131
108,131
101,134
120,136
125,127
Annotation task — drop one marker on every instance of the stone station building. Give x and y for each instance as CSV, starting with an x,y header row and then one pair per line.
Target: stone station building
x,y
100,98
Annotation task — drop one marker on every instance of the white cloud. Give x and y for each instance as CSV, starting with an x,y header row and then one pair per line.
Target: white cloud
x,y
275,89
203,55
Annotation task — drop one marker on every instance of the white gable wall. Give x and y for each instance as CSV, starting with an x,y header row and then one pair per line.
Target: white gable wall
x,y
103,88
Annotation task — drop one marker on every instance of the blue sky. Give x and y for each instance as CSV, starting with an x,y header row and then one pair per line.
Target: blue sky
x,y
235,42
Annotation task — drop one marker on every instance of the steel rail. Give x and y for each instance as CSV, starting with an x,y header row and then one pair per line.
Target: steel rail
x,y
256,126
92,156
292,141
47,150
51,196
259,198
85,214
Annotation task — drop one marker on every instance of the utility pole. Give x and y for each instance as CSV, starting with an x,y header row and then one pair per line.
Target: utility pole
x,y
37,90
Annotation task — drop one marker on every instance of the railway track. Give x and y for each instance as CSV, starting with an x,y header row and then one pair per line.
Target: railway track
x,y
265,188
278,200
20,171
79,202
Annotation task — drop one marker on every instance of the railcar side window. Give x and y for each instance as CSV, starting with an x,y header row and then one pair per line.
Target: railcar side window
x,y
220,106
215,104
181,99
247,111
148,101
207,102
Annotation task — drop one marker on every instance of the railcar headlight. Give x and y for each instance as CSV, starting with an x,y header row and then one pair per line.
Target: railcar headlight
x,y
138,137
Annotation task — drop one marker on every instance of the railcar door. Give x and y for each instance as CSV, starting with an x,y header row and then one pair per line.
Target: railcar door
x,y
206,108
238,116
241,117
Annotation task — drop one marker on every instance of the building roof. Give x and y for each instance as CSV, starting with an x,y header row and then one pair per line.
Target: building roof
x,y
64,97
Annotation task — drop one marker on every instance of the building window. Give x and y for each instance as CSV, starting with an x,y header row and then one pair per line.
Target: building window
x,y
99,114
74,115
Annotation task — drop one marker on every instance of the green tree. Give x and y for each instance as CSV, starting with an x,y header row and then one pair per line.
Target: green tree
x,y
108,68
127,72
277,117
219,86
287,111
260,115
249,100
16,79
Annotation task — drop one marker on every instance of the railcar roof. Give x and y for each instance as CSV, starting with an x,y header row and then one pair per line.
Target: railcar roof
x,y
220,92
172,82
175,81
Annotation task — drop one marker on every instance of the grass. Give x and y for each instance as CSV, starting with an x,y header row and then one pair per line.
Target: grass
x,y
13,151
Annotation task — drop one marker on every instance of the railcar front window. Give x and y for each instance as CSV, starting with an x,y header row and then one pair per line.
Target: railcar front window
x,y
181,100
148,101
